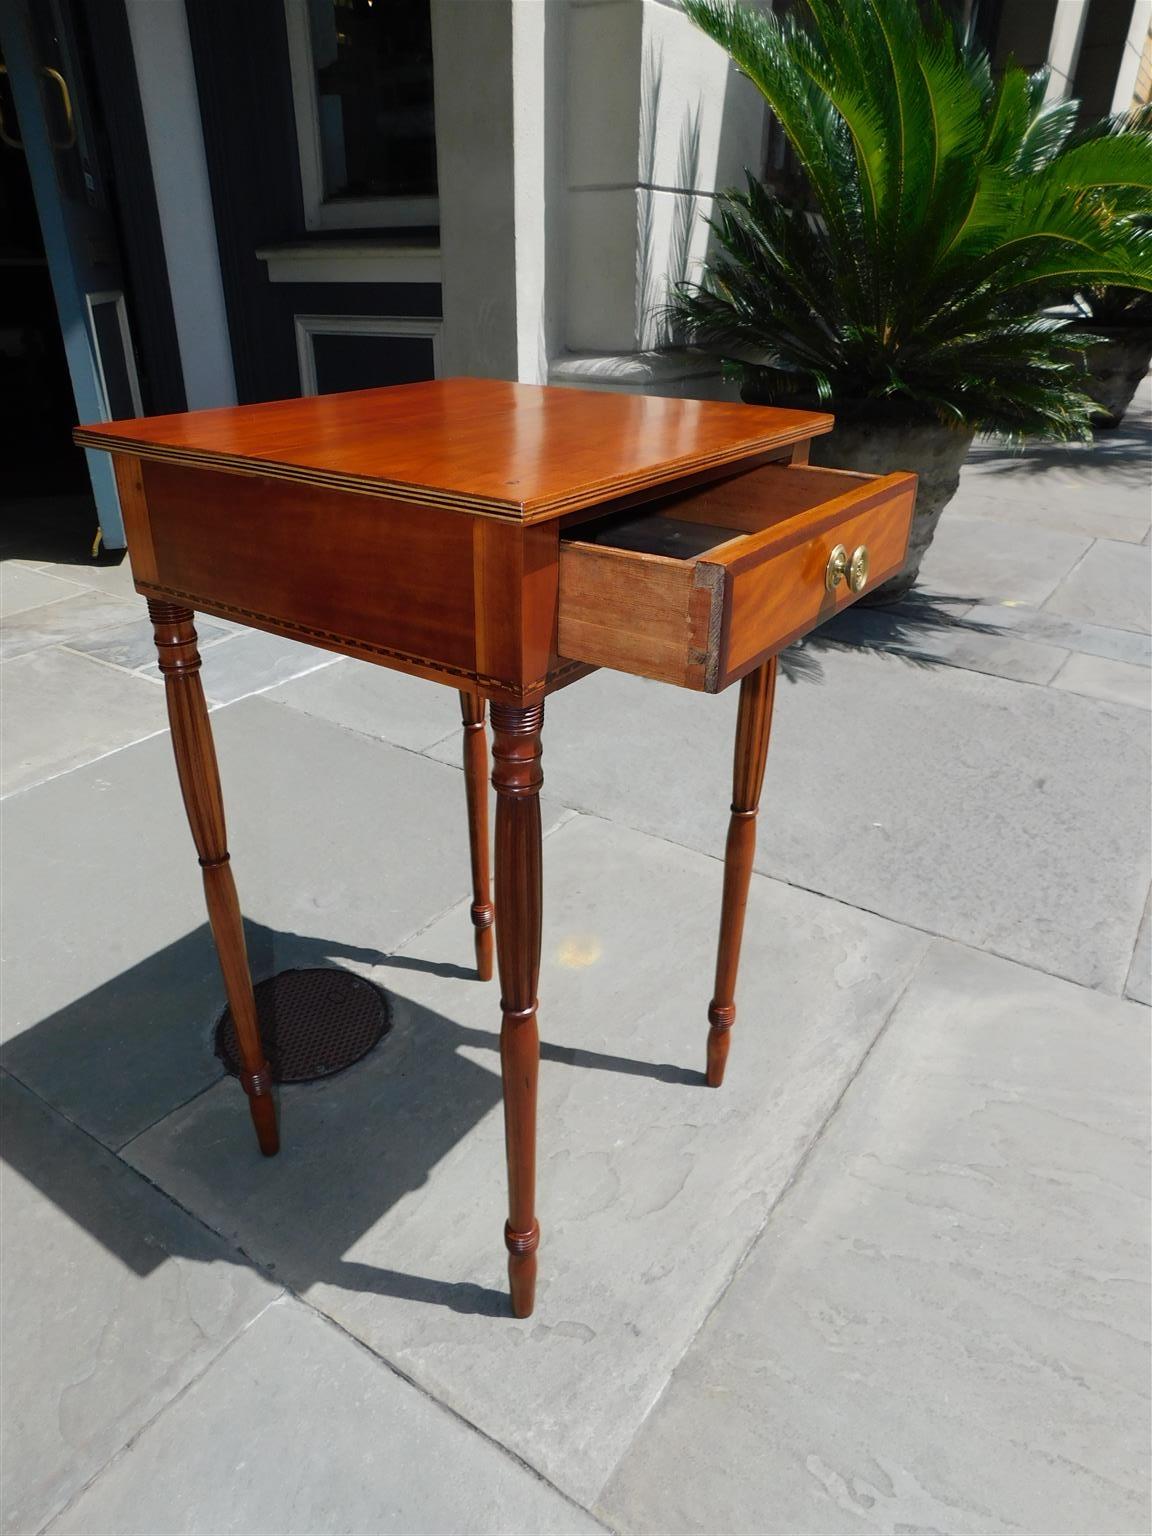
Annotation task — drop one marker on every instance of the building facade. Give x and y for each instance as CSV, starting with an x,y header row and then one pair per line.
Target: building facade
x,y
207,201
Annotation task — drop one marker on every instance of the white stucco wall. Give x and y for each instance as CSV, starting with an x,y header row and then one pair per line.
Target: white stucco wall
x,y
657,120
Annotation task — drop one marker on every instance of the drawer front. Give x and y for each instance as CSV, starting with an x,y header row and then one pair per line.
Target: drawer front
x,y
774,600
756,583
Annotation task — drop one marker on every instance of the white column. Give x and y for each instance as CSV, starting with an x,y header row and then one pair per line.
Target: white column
x,y
493,63
1134,46
472,74
1064,46
167,83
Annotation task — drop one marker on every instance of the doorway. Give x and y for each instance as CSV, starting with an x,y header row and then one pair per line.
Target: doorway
x,y
48,505
66,352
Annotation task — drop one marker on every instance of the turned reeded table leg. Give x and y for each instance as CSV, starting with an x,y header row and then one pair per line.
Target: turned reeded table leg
x,y
200,785
516,778
753,727
476,789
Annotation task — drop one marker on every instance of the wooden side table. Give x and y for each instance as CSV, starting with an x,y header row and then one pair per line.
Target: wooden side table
x,y
506,540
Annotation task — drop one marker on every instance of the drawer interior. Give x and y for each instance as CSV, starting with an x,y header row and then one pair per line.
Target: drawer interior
x,y
655,533
686,527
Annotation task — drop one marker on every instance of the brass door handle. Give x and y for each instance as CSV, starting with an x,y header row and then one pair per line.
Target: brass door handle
x,y
850,568
69,139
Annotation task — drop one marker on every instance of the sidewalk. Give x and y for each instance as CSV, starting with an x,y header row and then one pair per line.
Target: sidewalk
x,y
893,1276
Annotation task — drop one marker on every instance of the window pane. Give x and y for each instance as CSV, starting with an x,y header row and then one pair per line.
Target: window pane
x,y
373,63
367,362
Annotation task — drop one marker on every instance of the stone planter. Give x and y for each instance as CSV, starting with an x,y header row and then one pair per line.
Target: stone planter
x,y
1115,368
878,443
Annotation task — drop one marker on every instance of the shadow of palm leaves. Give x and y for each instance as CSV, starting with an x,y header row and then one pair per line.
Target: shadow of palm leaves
x,y
907,629
1121,453
658,273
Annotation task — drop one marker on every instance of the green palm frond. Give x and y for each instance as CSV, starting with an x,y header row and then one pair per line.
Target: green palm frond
x,y
1047,133
950,209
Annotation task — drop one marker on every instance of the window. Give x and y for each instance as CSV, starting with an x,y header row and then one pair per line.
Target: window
x,y
338,352
362,85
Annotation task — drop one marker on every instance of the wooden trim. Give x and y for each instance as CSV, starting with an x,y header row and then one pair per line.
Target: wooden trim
x,y
481,506
678,501
559,676
380,261
640,613
809,522
115,297
134,510
343,212
381,327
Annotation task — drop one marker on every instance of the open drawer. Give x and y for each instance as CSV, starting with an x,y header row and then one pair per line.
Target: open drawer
x,y
699,587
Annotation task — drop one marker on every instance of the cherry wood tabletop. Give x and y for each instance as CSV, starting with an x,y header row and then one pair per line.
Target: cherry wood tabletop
x,y
519,451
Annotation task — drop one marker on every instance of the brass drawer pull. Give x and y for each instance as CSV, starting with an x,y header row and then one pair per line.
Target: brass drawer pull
x,y
853,570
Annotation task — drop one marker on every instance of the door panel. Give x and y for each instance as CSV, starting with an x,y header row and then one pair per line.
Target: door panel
x,y
56,128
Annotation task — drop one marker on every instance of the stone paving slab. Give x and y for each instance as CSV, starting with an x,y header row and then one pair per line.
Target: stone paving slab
x,y
1099,678
944,1326
342,849
1074,634
982,810
984,558
1095,511
133,646
105,578
1139,982
1112,585
104,711
967,642
297,1429
75,617
113,1300
253,661
22,588
1097,489
1005,639
386,1205
377,702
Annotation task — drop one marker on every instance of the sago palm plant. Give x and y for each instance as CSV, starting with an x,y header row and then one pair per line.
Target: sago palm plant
x,y
948,208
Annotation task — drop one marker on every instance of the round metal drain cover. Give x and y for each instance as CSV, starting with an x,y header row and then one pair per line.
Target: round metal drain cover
x,y
313,1023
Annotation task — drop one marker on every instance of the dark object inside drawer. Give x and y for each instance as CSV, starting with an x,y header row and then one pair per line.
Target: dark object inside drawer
x,y
653,534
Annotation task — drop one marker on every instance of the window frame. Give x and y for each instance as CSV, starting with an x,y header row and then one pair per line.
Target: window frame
x,y
382,326
115,297
344,212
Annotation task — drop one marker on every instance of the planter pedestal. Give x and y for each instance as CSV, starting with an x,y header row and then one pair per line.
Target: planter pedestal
x,y
875,445
1115,369
935,453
